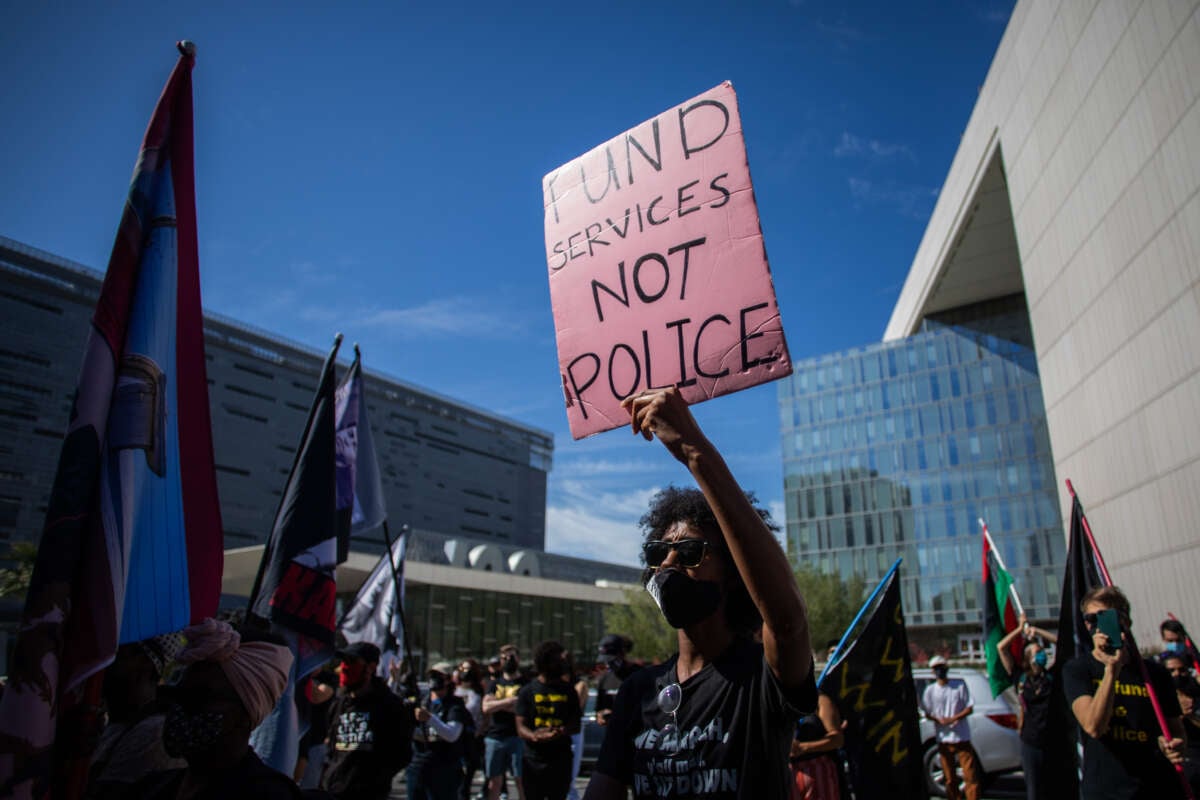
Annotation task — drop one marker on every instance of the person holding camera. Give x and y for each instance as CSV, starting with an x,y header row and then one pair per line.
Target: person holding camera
x,y
1125,755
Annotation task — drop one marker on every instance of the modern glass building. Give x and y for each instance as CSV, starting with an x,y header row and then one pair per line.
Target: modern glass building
x,y
898,449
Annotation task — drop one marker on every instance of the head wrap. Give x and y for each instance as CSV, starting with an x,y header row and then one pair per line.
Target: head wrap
x,y
258,671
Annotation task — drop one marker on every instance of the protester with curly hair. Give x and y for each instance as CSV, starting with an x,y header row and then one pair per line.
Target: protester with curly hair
x,y
715,720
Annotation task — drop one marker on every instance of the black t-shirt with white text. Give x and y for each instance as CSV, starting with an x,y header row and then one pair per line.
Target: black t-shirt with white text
x,y
731,733
1125,763
503,724
549,705
370,740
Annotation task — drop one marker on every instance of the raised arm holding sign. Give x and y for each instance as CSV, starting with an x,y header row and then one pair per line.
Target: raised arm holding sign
x,y
658,273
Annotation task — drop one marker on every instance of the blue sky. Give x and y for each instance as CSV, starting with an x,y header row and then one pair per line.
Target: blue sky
x,y
376,170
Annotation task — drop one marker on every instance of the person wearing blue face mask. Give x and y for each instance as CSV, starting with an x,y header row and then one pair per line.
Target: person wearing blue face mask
x,y
1175,640
1032,721
1034,685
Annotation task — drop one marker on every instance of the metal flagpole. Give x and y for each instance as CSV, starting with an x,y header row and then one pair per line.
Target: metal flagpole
x,y
1012,587
387,538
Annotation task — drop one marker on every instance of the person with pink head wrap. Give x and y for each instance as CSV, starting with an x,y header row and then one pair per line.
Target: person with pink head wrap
x,y
230,682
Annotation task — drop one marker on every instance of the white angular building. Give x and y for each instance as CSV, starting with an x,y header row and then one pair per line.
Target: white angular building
x,y
1076,183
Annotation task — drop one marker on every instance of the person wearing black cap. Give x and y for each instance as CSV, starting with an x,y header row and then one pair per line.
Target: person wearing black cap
x,y
370,730
613,649
436,770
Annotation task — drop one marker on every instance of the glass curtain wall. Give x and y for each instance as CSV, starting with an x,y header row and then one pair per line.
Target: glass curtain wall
x,y
898,449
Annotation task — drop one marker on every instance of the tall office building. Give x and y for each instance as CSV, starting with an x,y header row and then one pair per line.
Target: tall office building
x,y
1077,184
898,449
470,484
446,467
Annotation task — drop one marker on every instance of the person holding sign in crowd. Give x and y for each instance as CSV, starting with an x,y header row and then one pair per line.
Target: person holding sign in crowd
x,y
715,720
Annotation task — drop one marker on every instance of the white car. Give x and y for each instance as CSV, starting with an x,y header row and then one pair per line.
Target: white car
x,y
993,726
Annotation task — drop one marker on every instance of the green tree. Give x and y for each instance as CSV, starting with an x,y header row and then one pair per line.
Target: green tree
x,y
639,619
14,579
832,603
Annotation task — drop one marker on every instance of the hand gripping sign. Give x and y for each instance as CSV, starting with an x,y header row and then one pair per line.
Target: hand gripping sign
x,y
658,273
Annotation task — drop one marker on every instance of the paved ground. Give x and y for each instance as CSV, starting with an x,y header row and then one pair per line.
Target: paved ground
x,y
1006,787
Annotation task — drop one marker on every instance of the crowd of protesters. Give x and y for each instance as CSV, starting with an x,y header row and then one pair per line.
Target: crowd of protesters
x,y
735,713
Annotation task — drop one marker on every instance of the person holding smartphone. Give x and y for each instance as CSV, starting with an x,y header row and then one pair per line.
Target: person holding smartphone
x,y
1125,755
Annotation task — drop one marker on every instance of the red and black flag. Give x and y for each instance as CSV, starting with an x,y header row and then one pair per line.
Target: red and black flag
x,y
871,682
295,586
131,546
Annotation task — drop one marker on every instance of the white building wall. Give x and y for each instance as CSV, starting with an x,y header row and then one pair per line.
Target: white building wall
x,y
1093,108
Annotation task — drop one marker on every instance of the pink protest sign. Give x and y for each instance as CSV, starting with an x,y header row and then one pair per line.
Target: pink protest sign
x,y
658,274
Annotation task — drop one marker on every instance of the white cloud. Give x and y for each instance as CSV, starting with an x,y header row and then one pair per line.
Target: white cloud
x,y
459,316
850,145
577,531
909,200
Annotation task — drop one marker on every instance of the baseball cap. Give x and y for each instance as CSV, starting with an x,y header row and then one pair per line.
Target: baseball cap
x,y
443,667
612,647
364,651
937,661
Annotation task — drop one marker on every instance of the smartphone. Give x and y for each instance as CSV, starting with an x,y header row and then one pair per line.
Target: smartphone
x,y
1108,623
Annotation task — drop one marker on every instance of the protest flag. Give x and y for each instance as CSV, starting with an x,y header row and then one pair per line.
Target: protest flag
x,y
360,503
1001,607
131,545
377,613
295,590
871,682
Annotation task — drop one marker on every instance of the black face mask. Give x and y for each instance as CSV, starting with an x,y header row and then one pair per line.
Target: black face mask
x,y
186,734
683,601
940,672
509,665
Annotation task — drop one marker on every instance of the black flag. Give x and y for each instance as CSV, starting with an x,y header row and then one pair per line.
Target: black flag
x,y
872,685
1083,573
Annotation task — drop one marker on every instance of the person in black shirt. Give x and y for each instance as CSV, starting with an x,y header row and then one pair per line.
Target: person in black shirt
x,y
613,649
547,715
1040,746
1125,757
370,730
716,720
502,747
436,769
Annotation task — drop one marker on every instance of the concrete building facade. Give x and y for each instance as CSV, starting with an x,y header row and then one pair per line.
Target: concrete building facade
x,y
1076,184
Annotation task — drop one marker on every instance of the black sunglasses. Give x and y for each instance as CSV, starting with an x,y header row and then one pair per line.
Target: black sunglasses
x,y
690,552
1091,620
